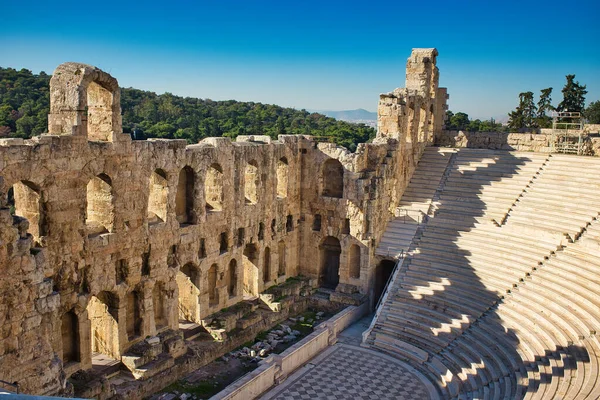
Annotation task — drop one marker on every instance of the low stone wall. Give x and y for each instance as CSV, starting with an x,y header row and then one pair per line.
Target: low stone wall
x,y
537,142
277,367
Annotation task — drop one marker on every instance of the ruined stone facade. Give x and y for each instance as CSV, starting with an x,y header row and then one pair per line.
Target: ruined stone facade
x,y
107,241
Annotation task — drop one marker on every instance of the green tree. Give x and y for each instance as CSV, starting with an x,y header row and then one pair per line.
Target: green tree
x,y
573,96
544,107
524,115
458,121
592,112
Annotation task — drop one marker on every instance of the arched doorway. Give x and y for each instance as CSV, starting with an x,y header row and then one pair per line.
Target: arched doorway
x,y
250,270
383,273
103,313
188,286
330,262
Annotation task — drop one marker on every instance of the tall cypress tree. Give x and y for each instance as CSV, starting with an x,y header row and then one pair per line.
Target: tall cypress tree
x,y
525,113
573,96
544,106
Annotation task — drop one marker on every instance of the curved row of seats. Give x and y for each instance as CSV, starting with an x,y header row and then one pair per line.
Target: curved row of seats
x,y
491,312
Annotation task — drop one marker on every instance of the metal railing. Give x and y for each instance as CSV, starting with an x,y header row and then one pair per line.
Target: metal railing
x,y
9,386
417,215
384,294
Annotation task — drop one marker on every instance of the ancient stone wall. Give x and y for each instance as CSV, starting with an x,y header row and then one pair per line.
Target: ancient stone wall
x,y
537,142
107,241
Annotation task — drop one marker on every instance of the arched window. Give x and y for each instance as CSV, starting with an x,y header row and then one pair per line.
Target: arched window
x,y
157,199
282,177
251,180
213,295
333,179
232,278
24,200
213,188
70,338
184,201
354,261
267,265
99,216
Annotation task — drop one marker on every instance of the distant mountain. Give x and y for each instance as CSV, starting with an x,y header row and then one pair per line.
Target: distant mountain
x,y
358,115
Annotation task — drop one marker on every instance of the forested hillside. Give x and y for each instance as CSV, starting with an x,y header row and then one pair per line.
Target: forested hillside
x,y
24,106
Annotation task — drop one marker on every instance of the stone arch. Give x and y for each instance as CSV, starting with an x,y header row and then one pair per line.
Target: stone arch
x,y
84,101
184,200
250,262
354,261
332,176
161,319
133,317
103,314
157,198
282,258
213,294
232,278
330,252
282,177
188,285
25,200
251,182
99,216
213,188
70,337
267,265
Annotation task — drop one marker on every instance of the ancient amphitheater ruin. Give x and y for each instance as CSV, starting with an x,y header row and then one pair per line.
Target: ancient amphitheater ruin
x,y
117,254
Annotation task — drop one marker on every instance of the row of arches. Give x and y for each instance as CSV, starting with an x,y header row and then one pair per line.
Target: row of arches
x,y
25,198
99,325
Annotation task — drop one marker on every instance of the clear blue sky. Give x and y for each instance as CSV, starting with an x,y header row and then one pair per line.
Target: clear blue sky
x,y
314,54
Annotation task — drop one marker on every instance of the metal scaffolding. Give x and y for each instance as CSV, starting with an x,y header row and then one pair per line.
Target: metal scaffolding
x,y
567,133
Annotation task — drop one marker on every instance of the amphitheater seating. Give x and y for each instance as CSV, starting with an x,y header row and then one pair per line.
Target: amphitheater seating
x,y
499,295
415,202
